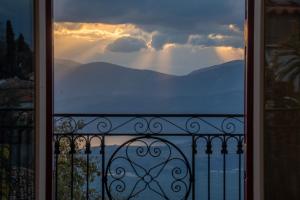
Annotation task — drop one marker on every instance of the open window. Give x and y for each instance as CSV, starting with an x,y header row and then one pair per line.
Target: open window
x,y
148,99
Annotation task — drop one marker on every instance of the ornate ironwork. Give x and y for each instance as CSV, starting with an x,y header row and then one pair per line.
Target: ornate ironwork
x,y
120,157
16,149
146,160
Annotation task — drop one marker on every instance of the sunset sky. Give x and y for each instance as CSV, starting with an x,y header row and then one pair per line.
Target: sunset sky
x,y
171,36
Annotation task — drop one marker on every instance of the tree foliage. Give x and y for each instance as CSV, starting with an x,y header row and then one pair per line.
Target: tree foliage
x,y
75,157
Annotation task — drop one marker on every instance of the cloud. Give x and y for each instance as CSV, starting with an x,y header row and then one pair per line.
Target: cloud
x,y
186,16
127,45
160,39
213,39
169,21
234,28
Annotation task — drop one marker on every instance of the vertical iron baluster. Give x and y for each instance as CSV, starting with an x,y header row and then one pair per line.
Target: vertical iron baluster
x,y
208,152
72,165
3,176
240,195
240,152
1,186
56,177
56,152
87,176
103,167
87,151
224,177
194,151
208,176
224,152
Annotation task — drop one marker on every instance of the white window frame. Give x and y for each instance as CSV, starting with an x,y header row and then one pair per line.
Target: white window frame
x,y
41,118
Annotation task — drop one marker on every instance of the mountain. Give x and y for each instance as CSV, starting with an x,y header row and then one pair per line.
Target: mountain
x,y
107,88
63,67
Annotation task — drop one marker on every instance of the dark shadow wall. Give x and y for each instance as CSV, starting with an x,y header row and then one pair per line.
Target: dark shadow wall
x,y
282,100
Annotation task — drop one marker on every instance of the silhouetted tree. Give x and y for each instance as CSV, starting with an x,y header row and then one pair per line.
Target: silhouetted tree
x,y
10,51
16,57
2,50
24,58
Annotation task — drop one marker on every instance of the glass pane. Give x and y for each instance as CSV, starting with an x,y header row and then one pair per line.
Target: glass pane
x,y
16,100
282,103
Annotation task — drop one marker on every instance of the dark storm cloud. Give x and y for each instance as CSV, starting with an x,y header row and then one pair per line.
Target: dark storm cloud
x,y
127,45
160,39
174,20
176,14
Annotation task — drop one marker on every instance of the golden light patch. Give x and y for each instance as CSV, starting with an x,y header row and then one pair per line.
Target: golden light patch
x,y
84,41
93,31
229,53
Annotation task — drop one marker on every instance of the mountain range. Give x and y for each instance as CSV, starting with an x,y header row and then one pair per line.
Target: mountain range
x,y
101,87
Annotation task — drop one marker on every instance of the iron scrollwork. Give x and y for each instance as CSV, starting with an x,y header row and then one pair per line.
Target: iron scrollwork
x,y
148,165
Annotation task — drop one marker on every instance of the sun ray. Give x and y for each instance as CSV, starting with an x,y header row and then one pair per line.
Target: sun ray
x,y
165,58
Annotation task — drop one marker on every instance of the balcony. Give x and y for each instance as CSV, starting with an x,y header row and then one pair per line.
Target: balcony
x,y
155,156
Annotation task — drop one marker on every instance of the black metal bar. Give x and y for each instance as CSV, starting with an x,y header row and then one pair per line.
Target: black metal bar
x,y
208,151
224,152
224,177
72,166
16,109
240,184
194,152
87,175
240,152
56,177
103,167
208,176
2,177
146,115
20,128
156,134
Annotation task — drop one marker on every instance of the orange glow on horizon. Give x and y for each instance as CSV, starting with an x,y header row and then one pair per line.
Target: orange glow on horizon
x,y
229,53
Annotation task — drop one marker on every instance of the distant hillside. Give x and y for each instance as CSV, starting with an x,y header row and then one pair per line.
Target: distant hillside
x,y
108,88
63,67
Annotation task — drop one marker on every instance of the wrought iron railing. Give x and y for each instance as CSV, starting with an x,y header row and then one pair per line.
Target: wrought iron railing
x,y
16,153
170,157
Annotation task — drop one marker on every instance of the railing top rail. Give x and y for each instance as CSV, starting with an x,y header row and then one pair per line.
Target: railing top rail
x,y
149,123
145,115
16,109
